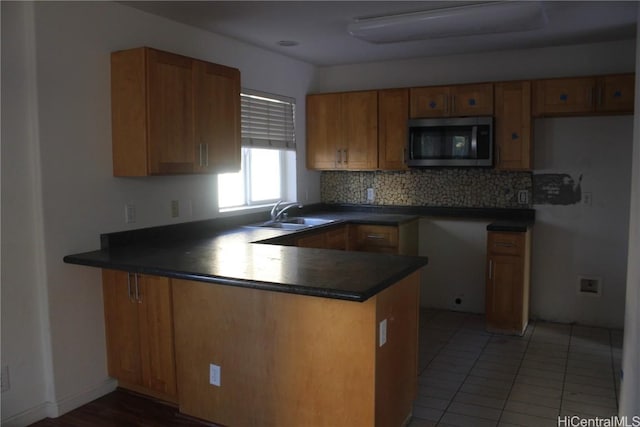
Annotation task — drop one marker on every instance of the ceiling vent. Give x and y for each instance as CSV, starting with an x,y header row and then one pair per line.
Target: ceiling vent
x,y
459,21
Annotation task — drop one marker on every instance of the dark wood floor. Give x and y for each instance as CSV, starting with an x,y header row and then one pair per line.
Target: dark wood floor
x,y
122,409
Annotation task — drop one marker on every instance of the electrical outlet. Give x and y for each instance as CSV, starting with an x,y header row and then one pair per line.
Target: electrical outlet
x,y
383,333
370,195
587,198
4,379
129,213
523,197
589,285
175,209
214,374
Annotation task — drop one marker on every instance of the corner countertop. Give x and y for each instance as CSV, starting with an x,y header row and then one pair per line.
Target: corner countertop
x,y
240,256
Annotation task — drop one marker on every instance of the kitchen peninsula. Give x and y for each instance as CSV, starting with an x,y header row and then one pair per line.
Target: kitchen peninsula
x,y
262,333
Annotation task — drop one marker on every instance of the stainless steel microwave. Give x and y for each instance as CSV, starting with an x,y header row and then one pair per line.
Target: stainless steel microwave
x,y
455,142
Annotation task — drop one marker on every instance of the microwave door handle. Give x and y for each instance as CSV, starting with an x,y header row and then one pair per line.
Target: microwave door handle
x,y
474,142
411,146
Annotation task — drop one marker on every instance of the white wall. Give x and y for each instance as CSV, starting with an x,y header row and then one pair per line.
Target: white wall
x,y
69,134
601,58
457,251
602,145
630,385
24,306
579,239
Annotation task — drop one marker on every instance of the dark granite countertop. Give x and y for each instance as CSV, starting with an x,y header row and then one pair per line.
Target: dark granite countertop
x,y
226,251
240,256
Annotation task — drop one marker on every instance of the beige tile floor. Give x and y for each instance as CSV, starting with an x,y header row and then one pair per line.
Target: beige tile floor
x,y
472,378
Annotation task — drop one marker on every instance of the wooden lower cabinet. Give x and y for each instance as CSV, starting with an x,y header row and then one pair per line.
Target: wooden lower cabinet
x,y
333,238
139,331
508,272
399,239
293,360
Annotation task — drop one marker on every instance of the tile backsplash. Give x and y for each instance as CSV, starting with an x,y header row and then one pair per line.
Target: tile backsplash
x,y
473,188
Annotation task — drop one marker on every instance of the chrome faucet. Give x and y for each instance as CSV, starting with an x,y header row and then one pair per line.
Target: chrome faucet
x,y
276,214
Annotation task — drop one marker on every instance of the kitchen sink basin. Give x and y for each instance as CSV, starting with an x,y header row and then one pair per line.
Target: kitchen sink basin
x,y
295,223
310,222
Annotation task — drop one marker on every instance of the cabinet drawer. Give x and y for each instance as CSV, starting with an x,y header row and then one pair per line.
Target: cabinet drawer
x,y
506,243
376,236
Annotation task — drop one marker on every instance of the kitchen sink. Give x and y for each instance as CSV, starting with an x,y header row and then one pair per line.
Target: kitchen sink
x,y
294,223
310,222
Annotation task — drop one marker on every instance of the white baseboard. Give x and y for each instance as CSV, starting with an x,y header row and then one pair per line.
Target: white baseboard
x,y
27,417
55,409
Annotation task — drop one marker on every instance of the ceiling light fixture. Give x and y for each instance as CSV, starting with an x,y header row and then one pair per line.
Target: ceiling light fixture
x,y
475,19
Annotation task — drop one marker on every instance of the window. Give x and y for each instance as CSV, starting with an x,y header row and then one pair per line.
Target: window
x,y
268,154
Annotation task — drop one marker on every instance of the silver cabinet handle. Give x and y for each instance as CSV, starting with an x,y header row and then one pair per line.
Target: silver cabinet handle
x,y
129,287
504,244
203,150
338,156
375,236
346,156
138,295
490,269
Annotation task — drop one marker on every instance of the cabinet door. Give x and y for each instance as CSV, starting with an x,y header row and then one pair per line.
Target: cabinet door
x,y
129,112
360,130
170,104
504,296
216,92
616,93
564,96
393,113
336,238
472,100
156,331
313,241
121,327
513,126
324,131
429,101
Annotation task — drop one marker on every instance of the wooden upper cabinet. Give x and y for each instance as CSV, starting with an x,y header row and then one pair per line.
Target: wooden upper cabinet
x,y
447,101
564,96
472,100
342,130
429,101
324,131
584,95
616,93
173,115
170,113
217,117
360,129
393,113
513,130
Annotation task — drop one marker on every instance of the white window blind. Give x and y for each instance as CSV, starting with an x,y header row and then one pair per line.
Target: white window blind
x,y
267,121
